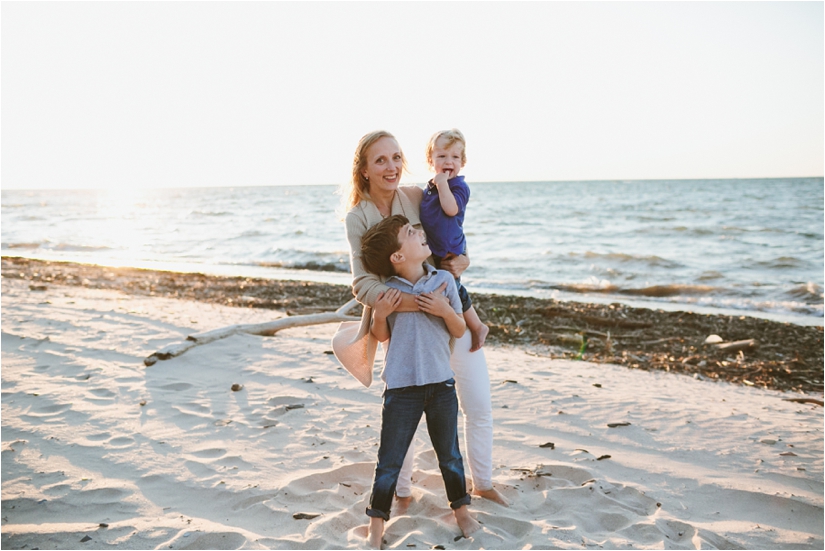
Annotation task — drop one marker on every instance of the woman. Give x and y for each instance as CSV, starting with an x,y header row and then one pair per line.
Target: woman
x,y
372,194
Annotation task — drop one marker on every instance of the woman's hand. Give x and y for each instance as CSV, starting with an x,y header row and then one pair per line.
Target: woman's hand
x,y
456,264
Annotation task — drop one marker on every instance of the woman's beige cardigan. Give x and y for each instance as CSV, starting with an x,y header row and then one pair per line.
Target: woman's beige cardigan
x,y
355,346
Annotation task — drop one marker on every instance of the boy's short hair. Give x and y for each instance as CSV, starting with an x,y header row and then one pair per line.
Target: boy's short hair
x,y
379,243
452,136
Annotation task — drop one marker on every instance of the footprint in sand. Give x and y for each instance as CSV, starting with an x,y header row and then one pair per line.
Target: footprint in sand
x,y
194,407
251,501
505,525
121,442
103,393
188,412
210,453
59,490
99,436
215,540
235,462
199,469
97,496
631,498
277,401
49,411
176,387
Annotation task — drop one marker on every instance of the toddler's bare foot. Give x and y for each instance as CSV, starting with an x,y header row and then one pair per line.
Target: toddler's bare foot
x,y
376,535
493,495
479,335
467,523
401,505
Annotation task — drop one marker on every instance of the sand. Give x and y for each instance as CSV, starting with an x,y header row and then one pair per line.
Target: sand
x,y
99,451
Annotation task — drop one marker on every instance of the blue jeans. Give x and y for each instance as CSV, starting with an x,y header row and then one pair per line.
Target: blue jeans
x,y
399,419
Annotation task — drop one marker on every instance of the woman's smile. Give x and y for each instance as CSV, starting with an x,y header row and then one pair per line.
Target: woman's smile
x,y
384,165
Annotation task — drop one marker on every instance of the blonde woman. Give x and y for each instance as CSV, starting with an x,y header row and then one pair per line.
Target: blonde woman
x,y
372,194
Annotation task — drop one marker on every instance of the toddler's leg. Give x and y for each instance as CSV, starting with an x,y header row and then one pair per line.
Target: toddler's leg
x,y
477,329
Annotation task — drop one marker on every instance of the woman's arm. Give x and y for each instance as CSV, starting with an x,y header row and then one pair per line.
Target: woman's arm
x,y
365,286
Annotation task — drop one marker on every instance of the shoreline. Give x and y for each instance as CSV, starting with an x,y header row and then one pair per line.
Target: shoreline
x,y
786,357
276,272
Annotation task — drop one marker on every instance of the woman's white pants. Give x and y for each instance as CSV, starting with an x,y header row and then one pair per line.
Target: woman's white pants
x,y
473,389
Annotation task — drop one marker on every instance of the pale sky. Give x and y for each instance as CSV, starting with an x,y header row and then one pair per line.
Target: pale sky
x,y
112,94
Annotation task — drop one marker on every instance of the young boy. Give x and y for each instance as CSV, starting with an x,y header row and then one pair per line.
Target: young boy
x,y
442,214
417,373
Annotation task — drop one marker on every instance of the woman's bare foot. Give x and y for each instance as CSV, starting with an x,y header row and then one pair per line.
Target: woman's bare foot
x,y
467,523
479,335
401,505
493,495
376,534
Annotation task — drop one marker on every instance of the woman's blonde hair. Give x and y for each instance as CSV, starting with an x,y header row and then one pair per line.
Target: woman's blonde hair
x,y
358,188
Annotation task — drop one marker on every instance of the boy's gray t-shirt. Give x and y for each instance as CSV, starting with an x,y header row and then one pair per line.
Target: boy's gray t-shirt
x,y
418,352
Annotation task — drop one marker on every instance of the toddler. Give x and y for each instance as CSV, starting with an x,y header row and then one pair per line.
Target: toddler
x,y
442,215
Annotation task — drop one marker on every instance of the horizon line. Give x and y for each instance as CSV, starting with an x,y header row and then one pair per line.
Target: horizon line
x,y
610,180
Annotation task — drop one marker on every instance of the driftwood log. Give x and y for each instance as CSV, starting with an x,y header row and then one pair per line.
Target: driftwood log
x,y
736,346
266,329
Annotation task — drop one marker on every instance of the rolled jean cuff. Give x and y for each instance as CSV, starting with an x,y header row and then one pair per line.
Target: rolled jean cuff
x,y
458,502
378,514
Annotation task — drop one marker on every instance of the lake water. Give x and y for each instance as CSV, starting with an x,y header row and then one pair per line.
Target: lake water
x,y
753,247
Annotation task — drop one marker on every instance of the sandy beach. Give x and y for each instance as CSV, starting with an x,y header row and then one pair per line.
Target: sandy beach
x,y
100,451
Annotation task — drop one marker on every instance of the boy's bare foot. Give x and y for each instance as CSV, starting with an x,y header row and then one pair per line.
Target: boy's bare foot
x,y
493,495
467,523
376,534
479,335
401,505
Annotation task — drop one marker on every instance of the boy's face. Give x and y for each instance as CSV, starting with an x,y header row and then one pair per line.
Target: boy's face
x,y
446,158
414,246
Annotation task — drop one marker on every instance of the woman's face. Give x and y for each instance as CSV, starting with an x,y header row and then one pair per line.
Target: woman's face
x,y
384,165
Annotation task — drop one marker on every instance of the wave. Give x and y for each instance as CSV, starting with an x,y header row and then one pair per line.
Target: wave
x,y
651,260
783,262
21,245
209,213
62,247
710,276
672,290
67,247
311,265
809,292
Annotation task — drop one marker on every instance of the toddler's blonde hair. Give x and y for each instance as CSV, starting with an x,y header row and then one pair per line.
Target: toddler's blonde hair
x,y
452,136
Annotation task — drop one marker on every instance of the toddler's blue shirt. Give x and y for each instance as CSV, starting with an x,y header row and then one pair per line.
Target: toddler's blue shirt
x,y
445,234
